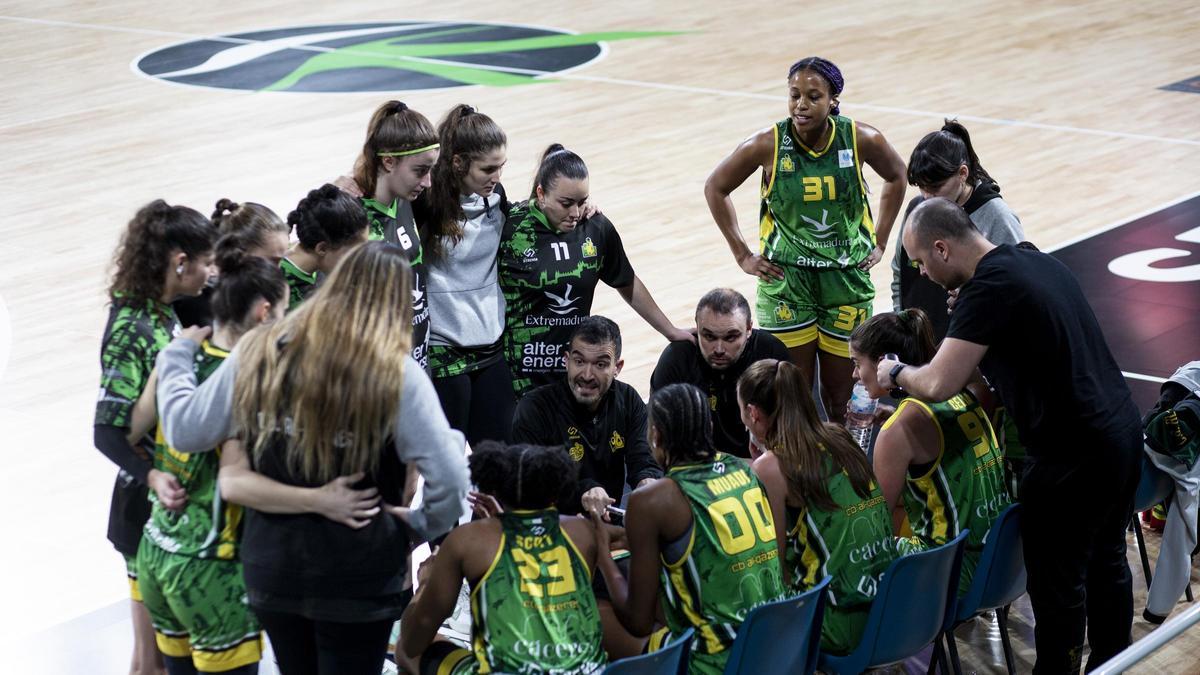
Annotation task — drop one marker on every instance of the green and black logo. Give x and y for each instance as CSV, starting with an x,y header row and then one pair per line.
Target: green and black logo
x,y
366,57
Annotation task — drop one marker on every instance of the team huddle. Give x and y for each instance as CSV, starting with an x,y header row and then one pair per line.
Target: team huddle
x,y
412,339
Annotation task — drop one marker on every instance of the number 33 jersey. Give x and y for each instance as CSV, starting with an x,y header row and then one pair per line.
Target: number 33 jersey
x,y
534,611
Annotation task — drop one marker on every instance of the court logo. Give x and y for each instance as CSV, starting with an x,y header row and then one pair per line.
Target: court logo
x,y
379,57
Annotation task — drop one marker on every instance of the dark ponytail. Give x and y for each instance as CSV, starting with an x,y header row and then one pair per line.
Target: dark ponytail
x,y
394,128
466,134
244,280
328,215
523,476
142,257
557,162
680,414
907,334
939,154
799,439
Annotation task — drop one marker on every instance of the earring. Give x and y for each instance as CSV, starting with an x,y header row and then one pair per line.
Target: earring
x,y
179,270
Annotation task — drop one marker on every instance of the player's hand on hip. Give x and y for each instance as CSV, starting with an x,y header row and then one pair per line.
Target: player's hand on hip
x,y
758,266
595,500
872,259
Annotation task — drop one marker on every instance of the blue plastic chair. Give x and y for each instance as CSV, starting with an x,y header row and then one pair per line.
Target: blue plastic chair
x,y
999,580
781,637
672,659
909,610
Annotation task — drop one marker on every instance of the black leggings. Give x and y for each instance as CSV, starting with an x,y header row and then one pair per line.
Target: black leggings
x,y
479,403
306,647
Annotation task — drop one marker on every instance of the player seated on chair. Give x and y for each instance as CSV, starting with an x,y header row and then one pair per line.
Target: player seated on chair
x,y
600,420
530,569
832,519
725,345
705,529
938,463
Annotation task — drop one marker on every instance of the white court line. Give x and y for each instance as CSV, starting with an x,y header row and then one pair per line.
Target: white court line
x,y
1144,378
662,86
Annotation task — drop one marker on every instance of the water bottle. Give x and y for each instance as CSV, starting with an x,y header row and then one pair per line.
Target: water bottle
x,y
860,418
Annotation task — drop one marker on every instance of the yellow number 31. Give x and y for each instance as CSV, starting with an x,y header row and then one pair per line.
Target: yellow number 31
x,y
815,188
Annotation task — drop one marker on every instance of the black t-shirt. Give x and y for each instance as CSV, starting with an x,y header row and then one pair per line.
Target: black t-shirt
x,y
682,361
610,444
1046,354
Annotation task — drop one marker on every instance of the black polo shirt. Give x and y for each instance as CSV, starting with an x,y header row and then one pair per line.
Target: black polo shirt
x,y
611,444
682,361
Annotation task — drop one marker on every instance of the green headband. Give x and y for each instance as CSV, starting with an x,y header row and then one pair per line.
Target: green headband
x,y
414,151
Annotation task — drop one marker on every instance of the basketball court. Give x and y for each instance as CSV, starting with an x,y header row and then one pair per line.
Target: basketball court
x,y
1086,113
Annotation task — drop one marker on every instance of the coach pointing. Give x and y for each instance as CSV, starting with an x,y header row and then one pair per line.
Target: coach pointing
x,y
1022,319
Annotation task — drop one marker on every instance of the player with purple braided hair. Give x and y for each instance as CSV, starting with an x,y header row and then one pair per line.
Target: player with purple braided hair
x,y
818,239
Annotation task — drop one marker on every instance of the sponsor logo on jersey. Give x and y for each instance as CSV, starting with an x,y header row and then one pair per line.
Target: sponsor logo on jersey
x,y
576,451
783,313
378,56
616,442
845,158
820,229
712,401
418,295
787,141
529,252
786,165
589,249
563,304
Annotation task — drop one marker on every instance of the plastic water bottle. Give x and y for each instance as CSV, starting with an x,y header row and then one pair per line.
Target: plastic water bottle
x,y
860,418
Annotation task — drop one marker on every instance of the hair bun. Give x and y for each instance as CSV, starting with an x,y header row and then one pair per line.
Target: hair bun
x,y
399,106
230,254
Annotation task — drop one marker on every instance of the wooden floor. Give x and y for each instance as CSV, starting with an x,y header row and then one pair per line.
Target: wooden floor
x,y
1064,102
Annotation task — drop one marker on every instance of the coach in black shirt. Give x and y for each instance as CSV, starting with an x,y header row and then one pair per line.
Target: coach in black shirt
x,y
601,422
1021,317
725,346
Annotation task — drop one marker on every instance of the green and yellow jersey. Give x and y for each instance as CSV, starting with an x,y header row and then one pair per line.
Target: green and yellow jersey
x,y
963,488
814,210
533,610
301,284
133,336
394,224
549,279
207,526
730,564
852,543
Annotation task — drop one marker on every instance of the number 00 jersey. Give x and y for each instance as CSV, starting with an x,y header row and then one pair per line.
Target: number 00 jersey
x,y
208,526
814,209
395,225
731,562
533,610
